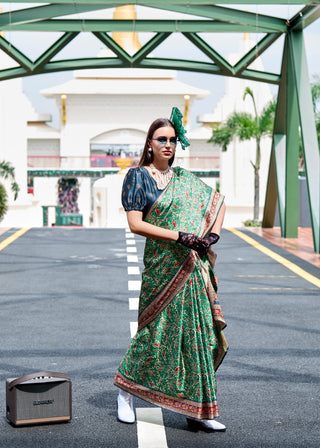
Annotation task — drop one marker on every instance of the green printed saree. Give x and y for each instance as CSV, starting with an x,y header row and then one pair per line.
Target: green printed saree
x,y
171,362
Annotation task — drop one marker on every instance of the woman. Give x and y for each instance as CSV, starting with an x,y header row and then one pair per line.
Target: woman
x,y
179,344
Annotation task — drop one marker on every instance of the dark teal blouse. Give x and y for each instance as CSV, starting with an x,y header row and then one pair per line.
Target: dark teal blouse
x,y
139,190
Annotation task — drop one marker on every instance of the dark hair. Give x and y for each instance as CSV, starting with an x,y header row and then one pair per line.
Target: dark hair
x,y
146,156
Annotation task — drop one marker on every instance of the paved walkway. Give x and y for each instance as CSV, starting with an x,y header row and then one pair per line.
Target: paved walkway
x,y
68,303
301,247
4,229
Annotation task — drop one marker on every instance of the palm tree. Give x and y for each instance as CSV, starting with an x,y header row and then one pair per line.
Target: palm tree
x,y
315,92
245,126
7,172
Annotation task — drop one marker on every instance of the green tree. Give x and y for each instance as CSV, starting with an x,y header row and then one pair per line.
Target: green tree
x,y
246,126
7,172
315,92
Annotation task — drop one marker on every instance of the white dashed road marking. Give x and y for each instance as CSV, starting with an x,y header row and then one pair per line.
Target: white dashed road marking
x,y
133,270
151,432
133,328
131,242
134,285
131,249
133,303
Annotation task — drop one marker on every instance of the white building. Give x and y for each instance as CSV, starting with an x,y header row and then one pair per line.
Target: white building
x,y
105,115
15,108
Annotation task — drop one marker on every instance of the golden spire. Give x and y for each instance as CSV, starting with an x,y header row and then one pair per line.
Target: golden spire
x,y
127,40
246,36
186,110
64,108
1,32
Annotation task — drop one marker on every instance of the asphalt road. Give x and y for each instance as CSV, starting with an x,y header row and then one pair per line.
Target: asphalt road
x,y
64,307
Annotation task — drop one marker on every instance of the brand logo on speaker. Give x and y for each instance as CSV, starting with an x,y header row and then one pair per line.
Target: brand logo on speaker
x,y
38,402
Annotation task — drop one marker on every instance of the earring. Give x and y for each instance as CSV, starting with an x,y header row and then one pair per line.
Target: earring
x,y
150,149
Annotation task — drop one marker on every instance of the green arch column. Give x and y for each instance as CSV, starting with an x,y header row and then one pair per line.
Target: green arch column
x,y
294,108
308,130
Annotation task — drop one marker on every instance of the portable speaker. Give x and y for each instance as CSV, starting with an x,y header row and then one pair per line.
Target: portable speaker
x,y
43,397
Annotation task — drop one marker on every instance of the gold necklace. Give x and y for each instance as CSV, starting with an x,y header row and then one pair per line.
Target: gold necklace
x,y
162,178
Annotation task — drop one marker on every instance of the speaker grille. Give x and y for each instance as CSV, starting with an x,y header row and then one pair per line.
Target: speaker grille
x,y
40,401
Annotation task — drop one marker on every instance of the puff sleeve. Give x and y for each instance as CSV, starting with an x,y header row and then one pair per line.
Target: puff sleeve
x,y
133,192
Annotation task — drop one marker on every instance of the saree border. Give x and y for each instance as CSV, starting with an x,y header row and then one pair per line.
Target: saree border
x,y
213,208
217,316
175,404
162,300
213,297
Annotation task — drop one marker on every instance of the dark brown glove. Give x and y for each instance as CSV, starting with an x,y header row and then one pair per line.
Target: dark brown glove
x,y
193,242
212,238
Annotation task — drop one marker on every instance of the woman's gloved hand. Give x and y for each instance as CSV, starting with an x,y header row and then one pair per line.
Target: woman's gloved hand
x,y
193,242
212,238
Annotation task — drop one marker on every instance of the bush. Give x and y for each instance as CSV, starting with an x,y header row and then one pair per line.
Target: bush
x,y
252,223
3,201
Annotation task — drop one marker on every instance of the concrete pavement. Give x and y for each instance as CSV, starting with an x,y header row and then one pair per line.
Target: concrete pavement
x,y
64,307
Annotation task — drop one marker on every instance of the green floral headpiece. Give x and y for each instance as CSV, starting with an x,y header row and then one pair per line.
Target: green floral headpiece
x,y
176,120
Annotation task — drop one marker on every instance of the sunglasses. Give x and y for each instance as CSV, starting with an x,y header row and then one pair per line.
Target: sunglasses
x,y
163,141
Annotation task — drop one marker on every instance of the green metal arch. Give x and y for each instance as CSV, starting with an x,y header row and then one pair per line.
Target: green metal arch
x,y
199,16
55,17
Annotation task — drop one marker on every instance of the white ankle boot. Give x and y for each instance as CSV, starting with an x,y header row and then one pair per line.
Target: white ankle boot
x,y
213,425
125,407
206,425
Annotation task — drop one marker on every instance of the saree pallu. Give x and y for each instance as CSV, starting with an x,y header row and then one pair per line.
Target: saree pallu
x,y
172,359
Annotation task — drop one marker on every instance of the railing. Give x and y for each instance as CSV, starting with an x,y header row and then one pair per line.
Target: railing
x,y
94,161
108,161
101,160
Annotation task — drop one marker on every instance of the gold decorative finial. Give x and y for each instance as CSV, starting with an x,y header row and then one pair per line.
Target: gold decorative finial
x,y
127,40
64,111
1,32
246,35
186,110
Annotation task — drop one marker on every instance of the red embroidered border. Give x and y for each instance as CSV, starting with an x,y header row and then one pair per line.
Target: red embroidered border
x,y
169,292
213,299
211,212
176,404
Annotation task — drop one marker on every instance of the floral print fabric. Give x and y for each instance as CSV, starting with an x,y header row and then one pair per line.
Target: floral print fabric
x,y
171,361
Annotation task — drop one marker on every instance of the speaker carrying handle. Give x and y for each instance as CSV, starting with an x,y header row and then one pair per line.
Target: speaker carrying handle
x,y
33,376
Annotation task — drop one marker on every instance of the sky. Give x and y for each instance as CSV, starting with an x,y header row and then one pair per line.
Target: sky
x,y
86,45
